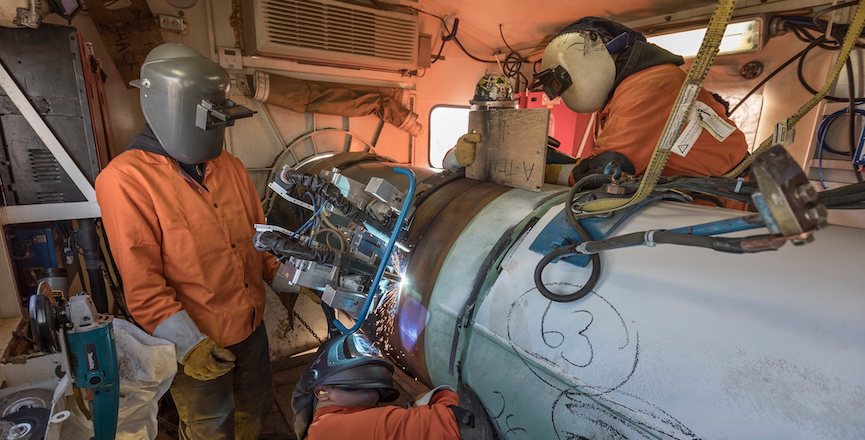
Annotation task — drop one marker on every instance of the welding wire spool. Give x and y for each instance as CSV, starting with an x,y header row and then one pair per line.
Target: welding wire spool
x,y
678,117
31,423
30,398
854,30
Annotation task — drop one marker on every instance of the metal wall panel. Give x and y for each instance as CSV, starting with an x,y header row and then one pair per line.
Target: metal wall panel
x,y
46,65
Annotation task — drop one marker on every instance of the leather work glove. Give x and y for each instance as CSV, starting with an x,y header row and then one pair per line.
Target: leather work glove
x,y
425,398
466,147
207,361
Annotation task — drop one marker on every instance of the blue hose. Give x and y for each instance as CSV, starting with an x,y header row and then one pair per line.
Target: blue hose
x,y
821,140
385,256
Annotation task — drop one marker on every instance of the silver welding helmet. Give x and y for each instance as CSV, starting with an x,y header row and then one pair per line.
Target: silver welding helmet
x,y
184,97
578,67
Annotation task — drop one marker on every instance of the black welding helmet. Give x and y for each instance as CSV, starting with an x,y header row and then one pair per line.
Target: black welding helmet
x,y
184,97
348,362
351,362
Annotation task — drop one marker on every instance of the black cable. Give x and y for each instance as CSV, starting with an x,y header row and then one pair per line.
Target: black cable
x,y
502,34
733,245
565,251
821,12
590,180
800,73
802,33
439,54
465,51
851,107
774,72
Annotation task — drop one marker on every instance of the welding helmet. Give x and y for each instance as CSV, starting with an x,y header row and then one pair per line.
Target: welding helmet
x,y
578,64
351,362
348,362
184,97
493,91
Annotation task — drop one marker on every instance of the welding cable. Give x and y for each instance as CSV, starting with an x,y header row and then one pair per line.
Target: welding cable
x,y
845,197
651,238
285,247
565,251
330,193
343,243
556,254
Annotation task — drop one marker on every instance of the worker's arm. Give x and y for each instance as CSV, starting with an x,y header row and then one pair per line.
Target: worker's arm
x,y
433,421
636,116
136,239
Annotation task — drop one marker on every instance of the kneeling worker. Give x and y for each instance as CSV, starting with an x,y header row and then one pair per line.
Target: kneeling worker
x,y
337,398
598,65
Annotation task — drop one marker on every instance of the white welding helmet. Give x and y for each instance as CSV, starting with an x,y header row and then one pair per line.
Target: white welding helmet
x,y
578,67
184,97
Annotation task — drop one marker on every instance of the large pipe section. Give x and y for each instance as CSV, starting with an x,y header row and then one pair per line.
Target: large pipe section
x,y
673,343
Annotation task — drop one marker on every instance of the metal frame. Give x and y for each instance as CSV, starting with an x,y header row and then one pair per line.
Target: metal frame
x,y
49,211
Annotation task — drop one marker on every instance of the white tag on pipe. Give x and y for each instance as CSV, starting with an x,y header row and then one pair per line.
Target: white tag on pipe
x,y
688,137
714,124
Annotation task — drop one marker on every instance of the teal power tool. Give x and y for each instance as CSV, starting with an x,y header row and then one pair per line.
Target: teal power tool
x,y
87,337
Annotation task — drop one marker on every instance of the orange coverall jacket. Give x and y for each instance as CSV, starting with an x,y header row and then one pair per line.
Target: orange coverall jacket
x,y
435,421
633,119
181,246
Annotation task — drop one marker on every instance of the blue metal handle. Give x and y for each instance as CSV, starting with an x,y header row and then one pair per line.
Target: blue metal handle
x,y
722,226
385,257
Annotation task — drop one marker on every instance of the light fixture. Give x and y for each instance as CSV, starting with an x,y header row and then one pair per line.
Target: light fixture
x,y
741,36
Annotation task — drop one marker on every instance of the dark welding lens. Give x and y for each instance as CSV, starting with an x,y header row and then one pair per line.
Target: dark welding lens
x,y
553,82
540,79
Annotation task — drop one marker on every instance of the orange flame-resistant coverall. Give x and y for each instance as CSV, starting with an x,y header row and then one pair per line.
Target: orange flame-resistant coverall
x,y
183,246
434,421
632,121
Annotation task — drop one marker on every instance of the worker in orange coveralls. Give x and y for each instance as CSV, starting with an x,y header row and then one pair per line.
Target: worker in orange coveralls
x,y
598,65
179,213
338,394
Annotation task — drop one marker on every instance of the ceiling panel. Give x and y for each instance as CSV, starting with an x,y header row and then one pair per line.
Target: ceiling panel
x,y
527,22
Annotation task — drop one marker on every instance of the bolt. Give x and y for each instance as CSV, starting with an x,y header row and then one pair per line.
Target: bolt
x,y
816,215
806,193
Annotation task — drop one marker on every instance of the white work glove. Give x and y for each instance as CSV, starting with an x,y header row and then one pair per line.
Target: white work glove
x,y
424,399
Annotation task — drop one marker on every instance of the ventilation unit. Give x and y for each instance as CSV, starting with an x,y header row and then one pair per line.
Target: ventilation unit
x,y
331,32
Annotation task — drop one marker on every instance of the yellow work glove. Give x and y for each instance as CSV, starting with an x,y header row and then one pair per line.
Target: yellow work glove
x,y
466,147
207,361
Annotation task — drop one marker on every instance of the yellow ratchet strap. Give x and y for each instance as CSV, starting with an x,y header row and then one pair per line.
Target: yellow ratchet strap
x,y
680,114
853,32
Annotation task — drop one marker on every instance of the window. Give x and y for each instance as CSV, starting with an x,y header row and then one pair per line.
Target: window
x,y
446,124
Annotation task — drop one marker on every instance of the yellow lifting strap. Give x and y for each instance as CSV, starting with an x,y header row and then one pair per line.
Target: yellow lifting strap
x,y
853,32
679,115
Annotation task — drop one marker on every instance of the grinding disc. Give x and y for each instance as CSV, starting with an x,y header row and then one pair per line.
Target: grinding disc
x,y
32,398
31,423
